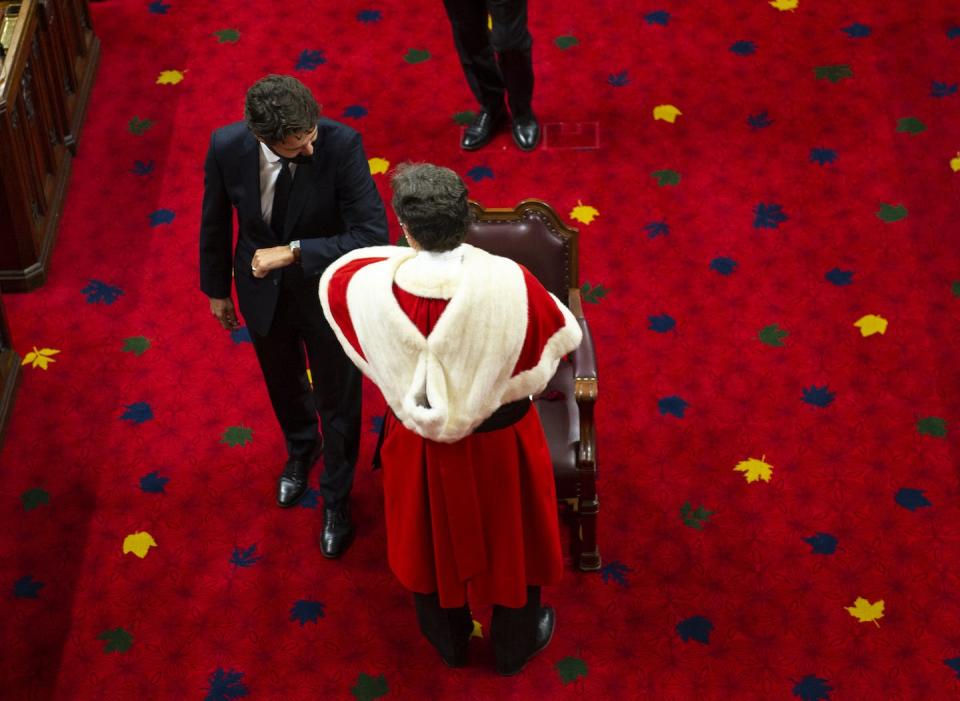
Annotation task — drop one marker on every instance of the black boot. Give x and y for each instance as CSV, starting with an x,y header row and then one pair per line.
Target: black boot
x,y
518,635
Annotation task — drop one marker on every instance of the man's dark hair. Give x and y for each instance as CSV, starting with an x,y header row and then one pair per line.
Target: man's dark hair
x,y
432,203
278,106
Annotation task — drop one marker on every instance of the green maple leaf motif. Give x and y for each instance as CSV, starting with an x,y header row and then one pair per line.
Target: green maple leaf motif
x,y
227,36
833,73
571,668
464,118
237,435
695,518
402,241
666,177
416,56
891,213
32,498
138,345
932,426
139,126
566,41
591,294
955,288
368,688
773,335
117,640
910,125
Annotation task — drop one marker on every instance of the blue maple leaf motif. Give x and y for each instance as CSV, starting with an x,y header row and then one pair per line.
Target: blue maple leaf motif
x,y
761,120
672,405
161,216
478,173
953,33
662,323
225,685
839,277
911,499
743,48
768,216
618,80
812,688
306,611
657,228
695,628
142,167
240,335
101,293
823,156
954,664
376,424
158,7
942,89
661,17
857,31
818,396
309,60
615,571
724,266
822,543
368,16
153,483
310,500
355,111
137,413
27,588
244,558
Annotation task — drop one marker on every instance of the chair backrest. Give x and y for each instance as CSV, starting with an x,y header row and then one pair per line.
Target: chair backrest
x,y
533,235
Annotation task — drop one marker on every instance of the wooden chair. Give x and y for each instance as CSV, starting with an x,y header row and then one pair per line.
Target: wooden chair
x,y
533,235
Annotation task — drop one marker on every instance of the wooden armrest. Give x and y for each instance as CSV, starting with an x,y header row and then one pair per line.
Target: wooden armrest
x,y
583,358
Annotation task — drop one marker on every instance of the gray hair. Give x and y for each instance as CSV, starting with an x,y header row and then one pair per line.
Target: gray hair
x,y
431,202
278,106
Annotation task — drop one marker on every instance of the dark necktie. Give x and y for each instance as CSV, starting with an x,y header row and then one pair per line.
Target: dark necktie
x,y
281,198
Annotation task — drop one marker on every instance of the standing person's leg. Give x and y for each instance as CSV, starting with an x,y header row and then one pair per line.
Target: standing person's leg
x,y
519,634
513,45
448,630
468,20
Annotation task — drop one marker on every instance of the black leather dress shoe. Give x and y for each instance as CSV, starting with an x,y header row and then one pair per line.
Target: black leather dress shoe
x,y
337,532
292,484
526,132
546,621
481,130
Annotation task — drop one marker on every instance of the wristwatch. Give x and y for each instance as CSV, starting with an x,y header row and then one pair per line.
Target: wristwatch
x,y
295,250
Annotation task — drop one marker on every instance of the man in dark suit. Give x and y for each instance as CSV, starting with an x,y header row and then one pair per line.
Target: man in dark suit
x,y
301,188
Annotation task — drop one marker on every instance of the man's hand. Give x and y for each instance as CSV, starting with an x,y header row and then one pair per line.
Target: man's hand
x,y
267,259
225,313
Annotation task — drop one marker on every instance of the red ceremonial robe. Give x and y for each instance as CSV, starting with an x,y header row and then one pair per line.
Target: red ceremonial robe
x,y
478,512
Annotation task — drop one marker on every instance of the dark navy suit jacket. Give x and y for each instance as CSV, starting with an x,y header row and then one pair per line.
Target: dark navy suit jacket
x,y
334,207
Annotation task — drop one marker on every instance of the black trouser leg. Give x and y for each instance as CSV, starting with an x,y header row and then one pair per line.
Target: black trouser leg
x,y
448,630
512,42
514,631
468,19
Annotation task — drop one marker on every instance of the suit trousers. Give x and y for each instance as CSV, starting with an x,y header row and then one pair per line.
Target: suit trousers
x,y
498,61
299,332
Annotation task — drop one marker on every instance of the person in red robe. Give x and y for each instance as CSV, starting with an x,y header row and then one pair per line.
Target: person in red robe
x,y
458,340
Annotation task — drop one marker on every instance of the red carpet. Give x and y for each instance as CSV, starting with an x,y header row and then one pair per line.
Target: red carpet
x,y
806,186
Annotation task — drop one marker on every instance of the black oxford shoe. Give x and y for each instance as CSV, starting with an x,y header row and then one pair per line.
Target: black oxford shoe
x,y
292,484
337,532
481,130
546,621
526,132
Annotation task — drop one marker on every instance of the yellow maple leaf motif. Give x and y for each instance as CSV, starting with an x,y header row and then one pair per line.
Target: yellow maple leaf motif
x,y
378,165
754,469
871,324
955,163
784,5
139,544
170,77
40,358
865,612
477,630
489,22
584,213
667,113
